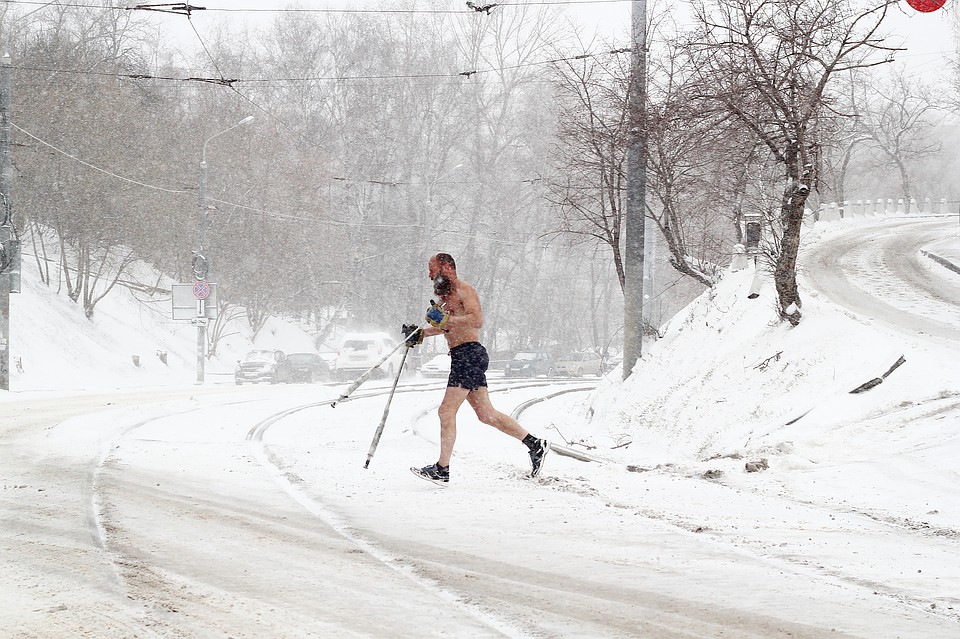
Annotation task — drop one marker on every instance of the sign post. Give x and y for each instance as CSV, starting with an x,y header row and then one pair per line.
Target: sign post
x,y
201,291
196,303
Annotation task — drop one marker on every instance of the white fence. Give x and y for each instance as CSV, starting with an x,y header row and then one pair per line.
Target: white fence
x,y
868,208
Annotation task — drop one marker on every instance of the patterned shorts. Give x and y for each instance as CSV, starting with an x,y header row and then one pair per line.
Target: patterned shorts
x,y
468,365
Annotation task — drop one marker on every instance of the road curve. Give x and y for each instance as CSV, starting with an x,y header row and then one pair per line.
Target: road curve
x,y
145,515
878,273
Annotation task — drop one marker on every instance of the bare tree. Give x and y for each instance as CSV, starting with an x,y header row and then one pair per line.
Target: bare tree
x,y
896,116
845,142
590,154
770,64
696,160
381,125
66,165
509,112
686,143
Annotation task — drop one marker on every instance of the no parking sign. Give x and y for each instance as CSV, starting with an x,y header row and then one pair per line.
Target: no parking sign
x,y
201,290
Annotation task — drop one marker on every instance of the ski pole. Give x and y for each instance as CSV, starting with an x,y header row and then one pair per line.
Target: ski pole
x,y
366,375
386,411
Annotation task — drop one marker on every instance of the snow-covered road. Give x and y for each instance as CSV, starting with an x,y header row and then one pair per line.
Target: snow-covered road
x,y
246,512
880,274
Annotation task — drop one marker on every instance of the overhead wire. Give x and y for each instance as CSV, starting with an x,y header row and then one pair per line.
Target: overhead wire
x,y
185,7
187,10
223,81
332,78
93,166
234,205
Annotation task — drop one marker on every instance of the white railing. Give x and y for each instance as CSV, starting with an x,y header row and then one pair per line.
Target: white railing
x,y
869,208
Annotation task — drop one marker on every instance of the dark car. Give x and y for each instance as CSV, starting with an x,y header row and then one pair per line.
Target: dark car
x,y
529,364
263,366
308,367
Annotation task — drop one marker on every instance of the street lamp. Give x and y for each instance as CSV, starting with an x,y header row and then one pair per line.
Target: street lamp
x,y
201,264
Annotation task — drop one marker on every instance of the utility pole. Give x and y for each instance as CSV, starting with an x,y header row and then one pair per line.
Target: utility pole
x,y
9,248
201,270
201,261
636,196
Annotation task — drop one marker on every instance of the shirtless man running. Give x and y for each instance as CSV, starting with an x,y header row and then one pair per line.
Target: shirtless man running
x,y
459,320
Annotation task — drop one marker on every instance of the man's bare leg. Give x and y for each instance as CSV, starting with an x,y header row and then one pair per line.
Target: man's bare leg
x,y
452,400
480,401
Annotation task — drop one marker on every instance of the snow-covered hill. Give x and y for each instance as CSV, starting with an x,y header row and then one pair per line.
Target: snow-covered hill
x,y
54,347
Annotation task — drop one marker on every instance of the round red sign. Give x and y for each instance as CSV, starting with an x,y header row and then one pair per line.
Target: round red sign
x,y
201,290
926,6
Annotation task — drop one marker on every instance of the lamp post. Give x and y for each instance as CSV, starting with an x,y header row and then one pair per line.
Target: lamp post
x,y
201,263
7,257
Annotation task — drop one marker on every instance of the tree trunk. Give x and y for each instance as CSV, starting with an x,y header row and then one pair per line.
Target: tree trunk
x,y
785,271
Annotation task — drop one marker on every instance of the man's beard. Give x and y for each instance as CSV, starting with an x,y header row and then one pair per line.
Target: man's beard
x,y
442,285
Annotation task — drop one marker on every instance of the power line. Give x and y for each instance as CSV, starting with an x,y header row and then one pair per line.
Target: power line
x,y
331,78
252,209
93,166
187,9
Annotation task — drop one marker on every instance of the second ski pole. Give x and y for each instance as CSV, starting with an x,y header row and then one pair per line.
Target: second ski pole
x,y
386,411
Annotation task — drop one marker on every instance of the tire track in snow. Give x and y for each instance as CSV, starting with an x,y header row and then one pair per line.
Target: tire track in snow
x,y
289,482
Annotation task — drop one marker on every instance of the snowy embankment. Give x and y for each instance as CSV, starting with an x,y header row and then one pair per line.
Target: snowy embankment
x,y
131,341
731,390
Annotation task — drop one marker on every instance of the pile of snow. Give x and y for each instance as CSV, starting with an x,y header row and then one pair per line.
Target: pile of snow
x,y
730,384
727,364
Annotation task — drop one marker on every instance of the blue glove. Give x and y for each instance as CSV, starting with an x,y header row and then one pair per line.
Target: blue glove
x,y
436,316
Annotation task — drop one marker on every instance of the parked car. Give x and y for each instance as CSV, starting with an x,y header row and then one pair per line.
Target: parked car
x,y
529,364
360,351
611,363
438,366
263,366
308,367
578,364
498,360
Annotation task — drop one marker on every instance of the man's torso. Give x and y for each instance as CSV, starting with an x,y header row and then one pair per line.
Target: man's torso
x,y
453,304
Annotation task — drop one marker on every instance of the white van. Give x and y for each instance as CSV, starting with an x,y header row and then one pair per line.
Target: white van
x,y
360,351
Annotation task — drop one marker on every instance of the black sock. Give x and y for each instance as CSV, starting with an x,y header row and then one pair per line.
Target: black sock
x,y
530,441
439,467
